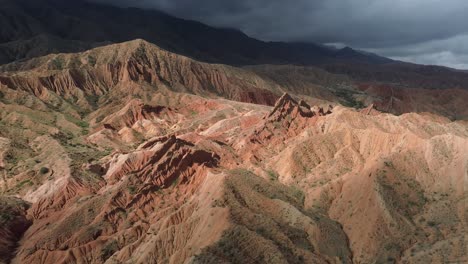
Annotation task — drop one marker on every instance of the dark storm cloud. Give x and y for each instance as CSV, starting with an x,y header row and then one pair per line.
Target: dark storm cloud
x,y
423,31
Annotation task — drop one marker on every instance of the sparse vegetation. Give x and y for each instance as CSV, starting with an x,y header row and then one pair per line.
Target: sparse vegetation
x,y
58,63
131,189
76,121
93,100
273,175
100,118
109,249
175,182
332,160
140,54
24,183
298,194
92,60
6,217
348,99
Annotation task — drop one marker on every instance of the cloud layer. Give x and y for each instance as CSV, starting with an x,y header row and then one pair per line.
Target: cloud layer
x,y
422,31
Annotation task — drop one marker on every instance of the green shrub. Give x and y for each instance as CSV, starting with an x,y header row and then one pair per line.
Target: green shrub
x,y
132,189
92,60
273,175
44,170
298,194
24,183
6,217
100,118
347,98
109,250
58,63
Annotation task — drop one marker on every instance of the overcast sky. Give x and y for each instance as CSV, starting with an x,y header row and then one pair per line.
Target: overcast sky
x,y
421,31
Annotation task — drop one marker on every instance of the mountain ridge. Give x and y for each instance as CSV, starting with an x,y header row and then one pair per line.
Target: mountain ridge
x,y
32,28
232,46
129,153
93,73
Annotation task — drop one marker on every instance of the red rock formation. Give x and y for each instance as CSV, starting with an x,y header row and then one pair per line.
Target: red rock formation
x,y
116,67
136,111
311,184
101,219
150,167
288,119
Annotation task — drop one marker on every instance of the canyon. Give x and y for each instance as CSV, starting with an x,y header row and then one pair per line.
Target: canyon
x,y
129,153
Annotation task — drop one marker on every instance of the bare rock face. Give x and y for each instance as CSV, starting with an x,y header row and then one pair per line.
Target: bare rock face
x,y
139,118
288,118
147,162
131,154
288,106
133,112
98,223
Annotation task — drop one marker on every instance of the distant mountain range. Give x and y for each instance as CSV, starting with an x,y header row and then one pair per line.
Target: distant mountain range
x,y
38,27
130,136
32,28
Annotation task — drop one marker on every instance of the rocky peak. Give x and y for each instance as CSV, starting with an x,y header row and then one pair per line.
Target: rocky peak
x,y
283,103
288,118
287,106
160,161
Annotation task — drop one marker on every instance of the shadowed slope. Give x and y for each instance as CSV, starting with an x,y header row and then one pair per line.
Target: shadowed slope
x,y
124,68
